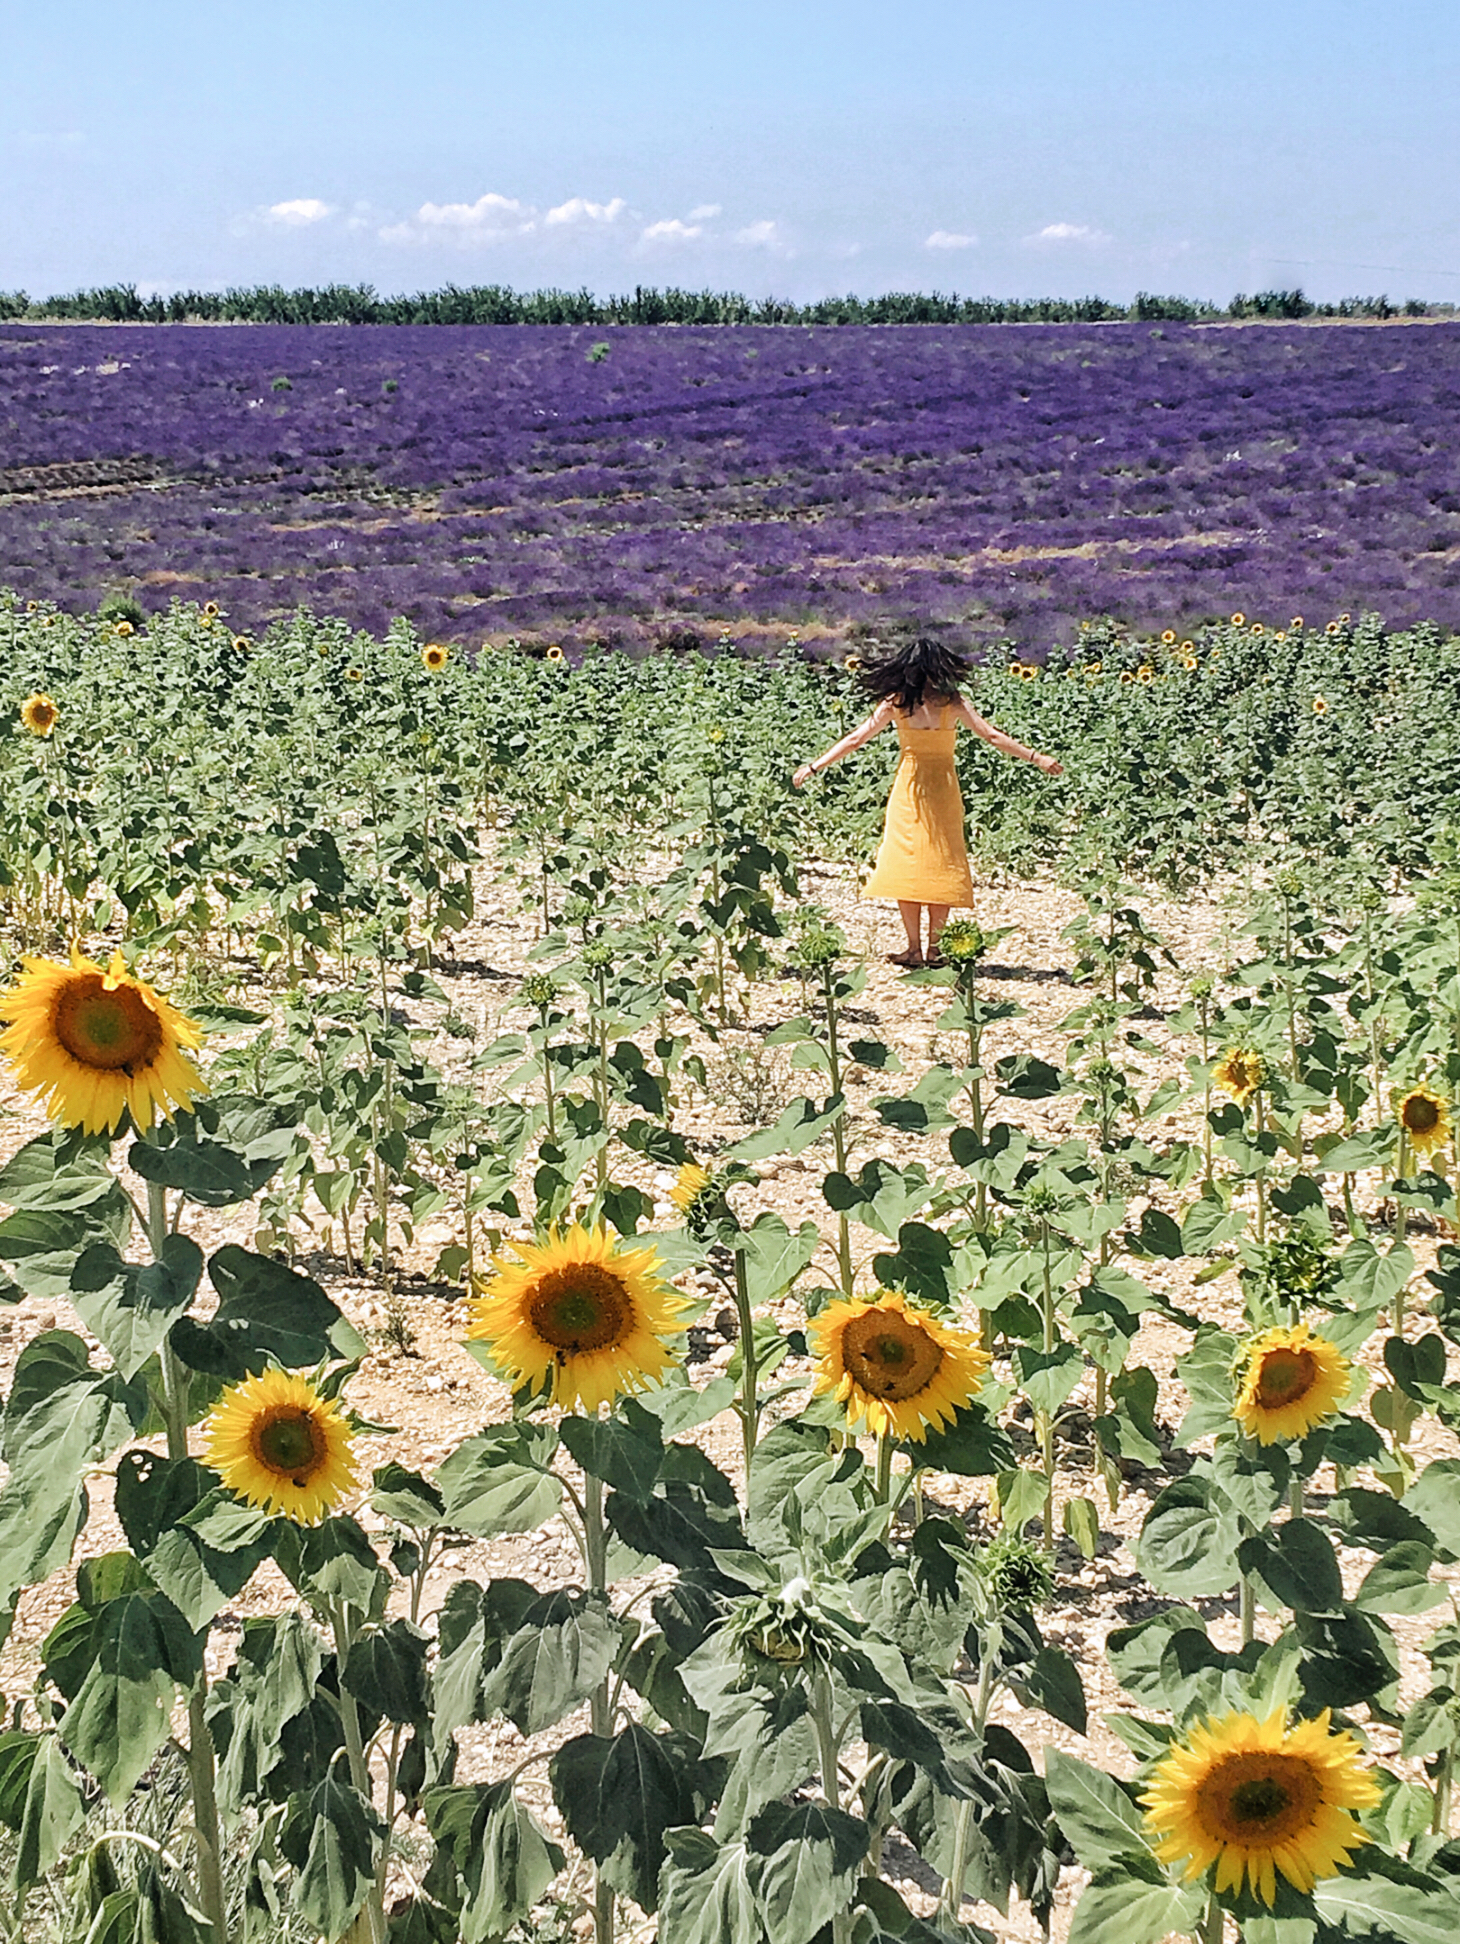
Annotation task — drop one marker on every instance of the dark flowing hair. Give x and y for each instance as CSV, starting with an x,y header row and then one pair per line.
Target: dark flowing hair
x,y
905,674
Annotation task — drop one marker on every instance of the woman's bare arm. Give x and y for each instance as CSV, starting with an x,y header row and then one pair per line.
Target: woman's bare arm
x,y
864,732
1006,745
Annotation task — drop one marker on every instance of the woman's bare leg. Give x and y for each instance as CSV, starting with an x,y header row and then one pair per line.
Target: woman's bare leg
x,y
937,919
912,923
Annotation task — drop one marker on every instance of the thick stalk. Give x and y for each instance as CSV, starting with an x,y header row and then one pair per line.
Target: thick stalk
x,y
1261,1178
547,1079
829,1758
951,1900
1213,1922
884,1469
600,1706
1046,1418
201,1756
748,1405
601,1035
838,1126
359,1767
1246,1609
1444,1783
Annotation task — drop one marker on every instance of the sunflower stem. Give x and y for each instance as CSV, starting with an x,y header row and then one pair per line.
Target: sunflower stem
x,y
1444,1781
838,1126
1213,1923
201,1755
829,1757
1246,1609
359,1767
1045,1419
950,1901
883,1483
600,1706
748,1405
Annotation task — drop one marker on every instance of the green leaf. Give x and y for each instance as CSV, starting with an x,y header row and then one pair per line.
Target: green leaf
x,y
923,1265
59,1171
1138,1654
1400,1582
1408,1911
618,1795
1047,1377
1295,1566
775,1255
804,1859
1052,1681
18,1752
1254,1478
503,1858
130,1305
500,1481
51,1815
213,1173
267,1313
386,1669
1118,1908
1081,1520
330,1836
1371,1277
334,1561
924,1109
691,1514
121,1715
1021,1076
972,1446
797,1128
624,1452
705,1895
39,1246
1347,1658
1099,1818
1188,1542
1434,1497
406,1498
566,1644
882,1195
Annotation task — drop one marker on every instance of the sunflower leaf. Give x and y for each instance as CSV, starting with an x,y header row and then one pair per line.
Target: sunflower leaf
x,y
501,1481
130,1305
704,1891
619,1794
1098,1816
564,1646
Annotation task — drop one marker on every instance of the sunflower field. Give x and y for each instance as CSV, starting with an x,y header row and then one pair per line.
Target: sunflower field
x,y
551,1395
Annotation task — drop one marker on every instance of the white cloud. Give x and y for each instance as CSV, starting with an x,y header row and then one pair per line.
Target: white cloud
x,y
671,231
297,214
704,213
949,240
1068,233
764,235
486,220
578,211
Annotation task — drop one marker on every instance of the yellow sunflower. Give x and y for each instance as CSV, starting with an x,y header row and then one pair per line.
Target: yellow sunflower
x,y
555,654
1257,628
852,664
1289,1380
1168,635
240,644
354,674
98,1042
1425,1117
124,628
1320,707
435,656
1255,1797
582,1311
1238,619
692,1182
281,1446
1332,628
1188,661
898,1369
1145,672
1240,1072
38,712
210,608
1296,623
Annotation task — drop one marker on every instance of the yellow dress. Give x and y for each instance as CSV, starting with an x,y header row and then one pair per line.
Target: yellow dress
x,y
922,856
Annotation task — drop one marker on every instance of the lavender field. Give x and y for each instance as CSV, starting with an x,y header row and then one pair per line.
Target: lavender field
x,y
621,484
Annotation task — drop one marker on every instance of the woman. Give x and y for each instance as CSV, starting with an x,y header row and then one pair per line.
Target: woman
x,y
922,861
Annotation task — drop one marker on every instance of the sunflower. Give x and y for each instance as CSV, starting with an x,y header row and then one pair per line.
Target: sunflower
x,y
895,1367
853,664
1240,1072
579,1311
1296,623
1289,1380
354,674
210,608
281,1446
1188,661
435,656
1255,1797
1344,619
1094,668
1281,635
98,1043
1239,619
1425,1117
124,628
240,644
1320,707
1168,635
1257,628
555,654
38,712
1145,672
692,1182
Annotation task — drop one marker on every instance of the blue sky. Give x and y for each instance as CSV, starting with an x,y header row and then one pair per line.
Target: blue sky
x,y
791,146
